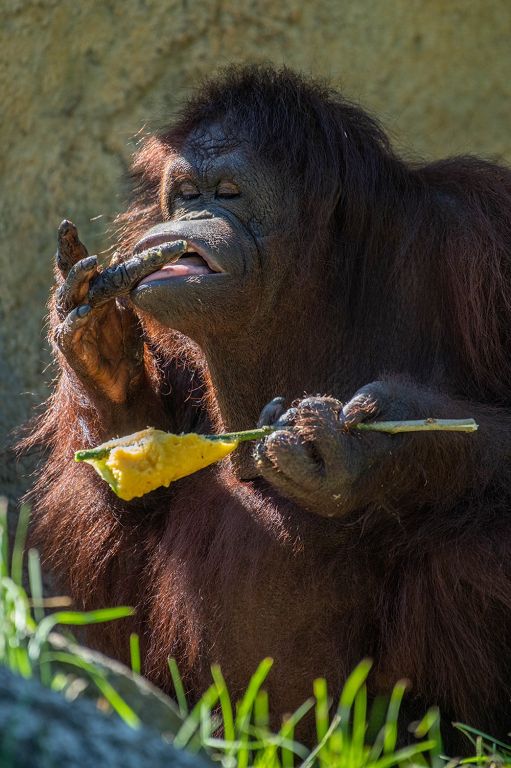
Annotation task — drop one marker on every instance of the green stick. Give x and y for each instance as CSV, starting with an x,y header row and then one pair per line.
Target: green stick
x,y
420,425
247,434
93,453
391,427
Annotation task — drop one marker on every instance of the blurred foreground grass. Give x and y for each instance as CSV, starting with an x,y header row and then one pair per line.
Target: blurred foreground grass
x,y
236,735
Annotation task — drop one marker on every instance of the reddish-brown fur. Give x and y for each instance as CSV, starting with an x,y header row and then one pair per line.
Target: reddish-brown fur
x,y
222,571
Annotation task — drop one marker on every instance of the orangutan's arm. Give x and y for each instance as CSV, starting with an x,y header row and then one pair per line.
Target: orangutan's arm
x,y
331,469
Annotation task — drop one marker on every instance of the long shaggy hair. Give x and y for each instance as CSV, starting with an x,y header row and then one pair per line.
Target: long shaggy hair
x,y
420,285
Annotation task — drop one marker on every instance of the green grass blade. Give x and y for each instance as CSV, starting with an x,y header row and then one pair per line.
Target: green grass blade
x,y
185,734
300,713
19,544
287,731
135,653
430,726
391,721
178,687
359,727
283,739
206,727
404,755
244,712
321,710
23,665
261,710
106,689
349,692
73,618
117,702
36,584
336,721
244,709
322,716
4,538
469,730
243,751
98,616
36,592
225,703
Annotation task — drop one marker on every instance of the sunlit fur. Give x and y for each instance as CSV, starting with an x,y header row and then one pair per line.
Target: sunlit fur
x,y
420,262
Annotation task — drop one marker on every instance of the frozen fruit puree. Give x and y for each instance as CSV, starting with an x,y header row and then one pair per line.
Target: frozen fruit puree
x,y
139,463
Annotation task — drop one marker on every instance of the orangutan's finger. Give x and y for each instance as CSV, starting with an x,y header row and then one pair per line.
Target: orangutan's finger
x,y
271,412
74,289
121,278
70,249
65,335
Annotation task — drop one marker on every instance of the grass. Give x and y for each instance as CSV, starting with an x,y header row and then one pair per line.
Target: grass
x,y
235,735
24,627
341,737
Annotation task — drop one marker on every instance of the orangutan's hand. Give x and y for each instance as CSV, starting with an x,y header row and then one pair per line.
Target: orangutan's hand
x,y
97,332
321,462
102,344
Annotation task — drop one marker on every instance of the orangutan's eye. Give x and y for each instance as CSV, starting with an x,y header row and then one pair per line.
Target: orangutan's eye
x,y
188,191
227,190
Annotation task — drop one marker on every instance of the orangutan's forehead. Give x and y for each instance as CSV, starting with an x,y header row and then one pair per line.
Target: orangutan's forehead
x,y
210,153
211,141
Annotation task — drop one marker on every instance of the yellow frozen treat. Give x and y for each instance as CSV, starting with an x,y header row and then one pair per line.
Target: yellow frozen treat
x,y
139,463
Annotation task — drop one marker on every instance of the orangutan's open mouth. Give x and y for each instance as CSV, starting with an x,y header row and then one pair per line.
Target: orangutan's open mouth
x,y
190,263
196,261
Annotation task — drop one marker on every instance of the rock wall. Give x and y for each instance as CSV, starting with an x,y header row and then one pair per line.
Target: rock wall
x,y
78,81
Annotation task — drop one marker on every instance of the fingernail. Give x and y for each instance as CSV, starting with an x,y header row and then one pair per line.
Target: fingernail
x,y
65,225
89,263
83,310
176,244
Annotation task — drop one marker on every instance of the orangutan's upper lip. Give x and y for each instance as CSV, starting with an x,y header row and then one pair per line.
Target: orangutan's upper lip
x,y
151,241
